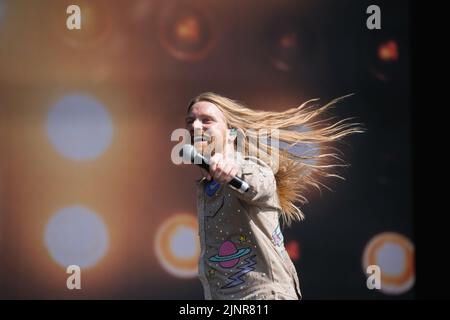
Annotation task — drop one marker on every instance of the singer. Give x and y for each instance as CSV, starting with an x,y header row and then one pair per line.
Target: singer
x,y
242,249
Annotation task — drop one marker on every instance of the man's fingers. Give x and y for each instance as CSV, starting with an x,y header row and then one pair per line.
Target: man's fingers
x,y
227,170
219,169
213,162
231,172
222,170
212,166
234,172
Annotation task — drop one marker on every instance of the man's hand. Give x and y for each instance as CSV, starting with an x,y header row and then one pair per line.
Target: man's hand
x,y
221,169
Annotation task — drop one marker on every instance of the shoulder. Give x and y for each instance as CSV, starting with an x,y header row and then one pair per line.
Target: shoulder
x,y
250,164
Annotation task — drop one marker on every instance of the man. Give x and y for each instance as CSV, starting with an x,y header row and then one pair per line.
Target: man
x,y
242,248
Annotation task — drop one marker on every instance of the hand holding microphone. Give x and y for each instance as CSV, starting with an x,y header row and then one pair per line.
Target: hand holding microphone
x,y
221,169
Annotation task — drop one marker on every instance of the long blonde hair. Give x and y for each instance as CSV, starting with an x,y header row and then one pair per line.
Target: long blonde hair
x,y
294,173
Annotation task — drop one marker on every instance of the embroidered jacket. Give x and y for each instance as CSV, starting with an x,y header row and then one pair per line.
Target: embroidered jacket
x,y
242,249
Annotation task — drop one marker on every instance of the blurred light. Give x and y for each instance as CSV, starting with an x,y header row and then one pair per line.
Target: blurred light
x,y
186,32
287,51
291,44
388,51
281,65
394,254
293,249
288,40
79,127
378,75
76,235
383,66
177,245
304,149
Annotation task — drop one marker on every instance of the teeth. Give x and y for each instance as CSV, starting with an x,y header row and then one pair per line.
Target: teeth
x,y
201,138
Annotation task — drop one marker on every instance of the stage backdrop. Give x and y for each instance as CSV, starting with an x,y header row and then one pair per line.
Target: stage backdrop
x,y
86,117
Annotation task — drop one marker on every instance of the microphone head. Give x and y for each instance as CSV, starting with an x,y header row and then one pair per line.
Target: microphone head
x,y
188,153
191,155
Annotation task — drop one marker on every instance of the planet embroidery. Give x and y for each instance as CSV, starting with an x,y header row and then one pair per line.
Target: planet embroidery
x,y
229,255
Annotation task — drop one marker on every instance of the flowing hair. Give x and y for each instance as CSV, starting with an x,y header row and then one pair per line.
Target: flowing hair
x,y
295,172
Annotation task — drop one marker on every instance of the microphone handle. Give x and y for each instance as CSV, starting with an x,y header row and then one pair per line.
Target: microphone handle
x,y
236,182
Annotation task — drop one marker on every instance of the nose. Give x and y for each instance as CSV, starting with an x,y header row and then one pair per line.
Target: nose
x,y
197,124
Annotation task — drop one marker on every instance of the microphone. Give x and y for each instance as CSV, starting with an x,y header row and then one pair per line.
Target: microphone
x,y
191,155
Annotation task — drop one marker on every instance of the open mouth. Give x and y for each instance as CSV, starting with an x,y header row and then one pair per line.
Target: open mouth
x,y
201,138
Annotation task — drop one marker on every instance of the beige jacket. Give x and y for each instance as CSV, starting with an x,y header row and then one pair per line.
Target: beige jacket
x,y
242,250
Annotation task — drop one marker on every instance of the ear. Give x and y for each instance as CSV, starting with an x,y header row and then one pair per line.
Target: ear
x,y
232,133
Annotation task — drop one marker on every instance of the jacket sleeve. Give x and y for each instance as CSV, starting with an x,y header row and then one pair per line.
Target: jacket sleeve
x,y
261,180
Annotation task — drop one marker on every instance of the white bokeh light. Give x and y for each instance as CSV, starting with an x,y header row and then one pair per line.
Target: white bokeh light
x,y
79,127
392,257
177,245
393,253
183,242
76,235
305,149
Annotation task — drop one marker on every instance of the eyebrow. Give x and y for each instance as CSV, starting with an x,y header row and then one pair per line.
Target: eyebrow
x,y
205,116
